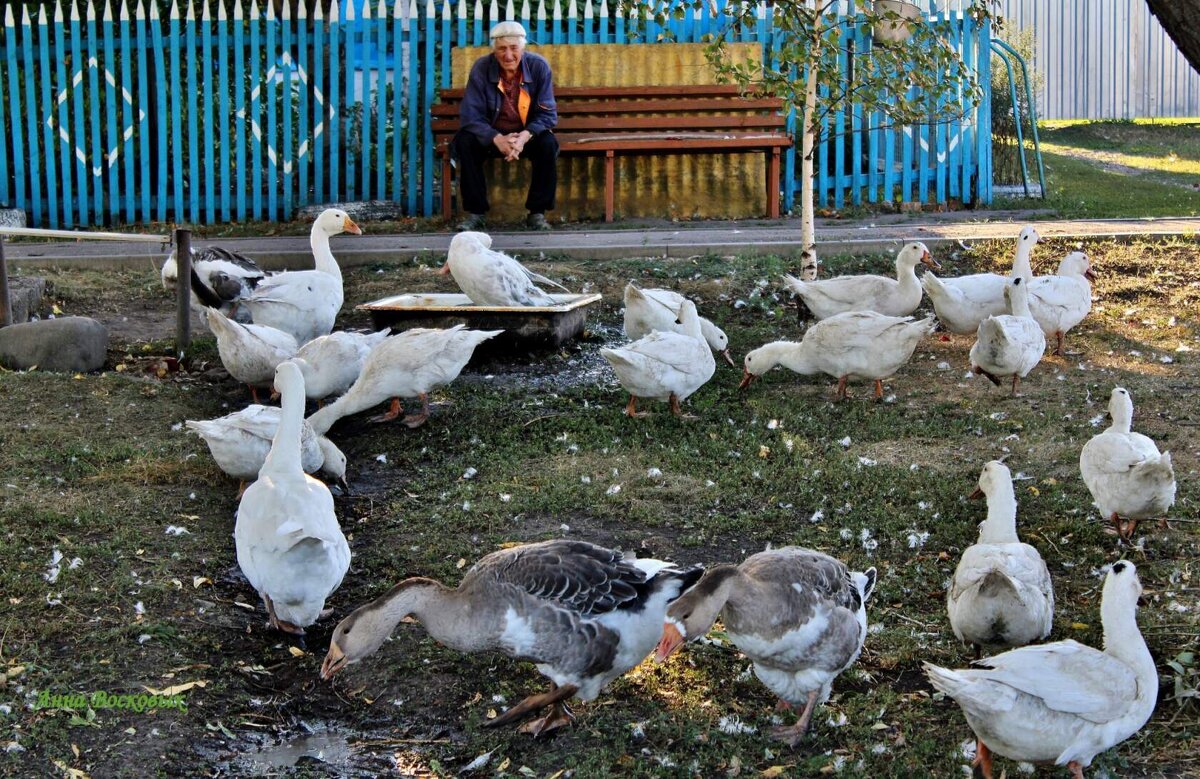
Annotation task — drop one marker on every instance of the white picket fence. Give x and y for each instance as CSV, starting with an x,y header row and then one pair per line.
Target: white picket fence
x,y
1105,59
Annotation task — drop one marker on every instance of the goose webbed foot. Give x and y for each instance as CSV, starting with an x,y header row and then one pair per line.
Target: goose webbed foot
x,y
560,715
792,734
533,703
677,410
416,420
631,409
393,411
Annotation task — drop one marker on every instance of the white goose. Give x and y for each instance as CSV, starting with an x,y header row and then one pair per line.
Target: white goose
x,y
1001,592
229,275
856,344
411,364
963,302
664,365
584,614
1060,302
893,297
288,541
331,363
1063,702
303,303
647,310
1010,344
799,615
1128,478
250,352
241,441
491,278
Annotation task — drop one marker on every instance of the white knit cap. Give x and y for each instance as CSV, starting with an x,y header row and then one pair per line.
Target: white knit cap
x,y
508,30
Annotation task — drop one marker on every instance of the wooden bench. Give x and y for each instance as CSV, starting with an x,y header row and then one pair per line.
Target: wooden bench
x,y
646,120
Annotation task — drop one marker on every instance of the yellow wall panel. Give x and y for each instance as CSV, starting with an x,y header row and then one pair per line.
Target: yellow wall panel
x,y
682,186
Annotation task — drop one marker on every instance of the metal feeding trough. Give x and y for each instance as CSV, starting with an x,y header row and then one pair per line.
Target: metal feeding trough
x,y
525,327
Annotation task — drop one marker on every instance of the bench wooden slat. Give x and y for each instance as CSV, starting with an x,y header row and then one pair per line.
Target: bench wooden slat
x,y
634,123
656,106
691,90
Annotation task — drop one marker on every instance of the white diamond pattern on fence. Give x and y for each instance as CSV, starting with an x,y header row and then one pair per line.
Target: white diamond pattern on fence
x,y
113,154
274,76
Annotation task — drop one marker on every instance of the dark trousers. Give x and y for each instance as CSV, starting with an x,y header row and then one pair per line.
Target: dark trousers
x,y
541,150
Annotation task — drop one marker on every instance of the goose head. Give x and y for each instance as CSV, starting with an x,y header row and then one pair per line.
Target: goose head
x,y
914,254
717,340
992,478
465,244
756,363
1120,407
693,613
334,221
1028,237
334,465
1016,295
1076,264
366,628
1122,588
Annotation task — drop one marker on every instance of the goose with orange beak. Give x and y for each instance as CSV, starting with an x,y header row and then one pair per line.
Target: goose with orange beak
x,y
799,615
897,296
857,344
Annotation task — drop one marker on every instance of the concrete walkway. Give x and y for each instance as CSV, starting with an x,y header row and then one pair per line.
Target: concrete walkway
x,y
882,233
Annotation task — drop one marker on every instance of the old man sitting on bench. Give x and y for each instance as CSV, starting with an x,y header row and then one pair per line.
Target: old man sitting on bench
x,y
508,111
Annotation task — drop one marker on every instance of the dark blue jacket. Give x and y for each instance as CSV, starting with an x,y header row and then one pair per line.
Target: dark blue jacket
x,y
483,98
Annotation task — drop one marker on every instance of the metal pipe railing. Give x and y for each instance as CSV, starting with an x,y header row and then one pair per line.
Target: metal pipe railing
x,y
182,239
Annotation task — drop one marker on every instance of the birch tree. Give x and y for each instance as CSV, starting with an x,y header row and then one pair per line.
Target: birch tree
x,y
920,81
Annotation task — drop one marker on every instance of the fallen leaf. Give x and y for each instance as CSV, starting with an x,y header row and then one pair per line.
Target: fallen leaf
x,y
198,580
503,766
775,770
462,561
1079,626
167,692
296,651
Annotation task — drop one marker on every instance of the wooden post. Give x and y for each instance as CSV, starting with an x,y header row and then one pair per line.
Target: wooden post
x,y
5,303
183,290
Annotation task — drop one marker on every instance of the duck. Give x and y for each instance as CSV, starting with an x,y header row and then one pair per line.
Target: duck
x,y
411,364
584,614
893,297
303,303
1009,344
491,278
1000,594
647,310
1060,302
239,443
288,541
1063,702
331,363
961,303
229,275
1128,478
859,344
250,352
666,366
799,615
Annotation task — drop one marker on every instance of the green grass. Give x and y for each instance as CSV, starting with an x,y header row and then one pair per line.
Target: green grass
x,y
1119,169
93,467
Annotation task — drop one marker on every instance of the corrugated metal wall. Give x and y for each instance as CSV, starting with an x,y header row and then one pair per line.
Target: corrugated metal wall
x,y
1105,59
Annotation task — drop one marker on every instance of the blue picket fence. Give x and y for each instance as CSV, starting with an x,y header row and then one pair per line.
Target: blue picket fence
x,y
128,113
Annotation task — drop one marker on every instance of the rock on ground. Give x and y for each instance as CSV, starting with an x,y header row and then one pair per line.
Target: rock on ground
x,y
74,344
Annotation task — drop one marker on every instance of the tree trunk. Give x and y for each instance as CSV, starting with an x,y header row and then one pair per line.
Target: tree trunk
x,y
808,231
1181,19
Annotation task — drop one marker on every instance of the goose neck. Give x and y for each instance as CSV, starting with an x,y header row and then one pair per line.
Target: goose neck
x,y
1021,263
1000,527
1123,640
284,456
440,610
322,254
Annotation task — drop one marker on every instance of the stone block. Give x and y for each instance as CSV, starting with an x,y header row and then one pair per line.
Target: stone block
x,y
74,344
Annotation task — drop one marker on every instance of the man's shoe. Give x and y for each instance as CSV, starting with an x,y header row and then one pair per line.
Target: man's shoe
x,y
537,222
472,223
